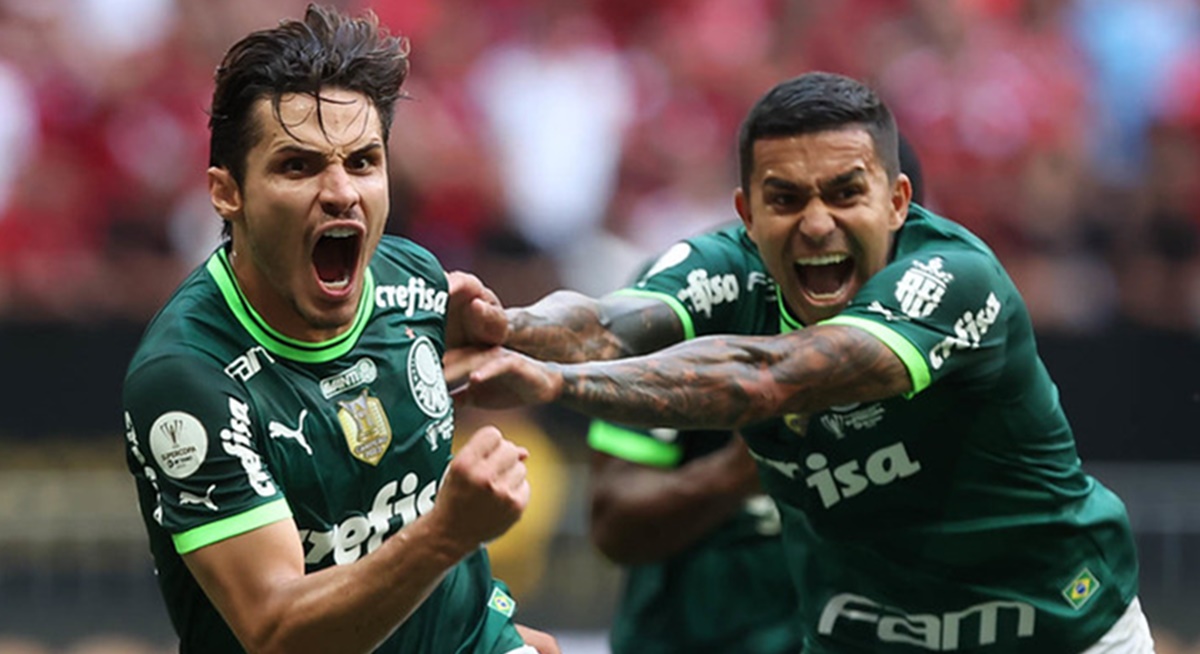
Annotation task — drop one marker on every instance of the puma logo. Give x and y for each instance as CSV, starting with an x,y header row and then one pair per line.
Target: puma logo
x,y
280,430
203,500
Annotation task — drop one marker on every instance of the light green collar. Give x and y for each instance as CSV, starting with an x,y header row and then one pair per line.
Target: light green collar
x,y
219,268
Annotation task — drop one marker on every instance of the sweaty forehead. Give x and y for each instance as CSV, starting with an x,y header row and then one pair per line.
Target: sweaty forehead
x,y
339,119
814,158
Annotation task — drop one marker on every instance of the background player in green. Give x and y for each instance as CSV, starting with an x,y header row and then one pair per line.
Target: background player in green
x,y
287,422
684,512
931,495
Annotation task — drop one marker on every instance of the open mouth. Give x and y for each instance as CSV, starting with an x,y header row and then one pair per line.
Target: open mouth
x,y
825,276
335,257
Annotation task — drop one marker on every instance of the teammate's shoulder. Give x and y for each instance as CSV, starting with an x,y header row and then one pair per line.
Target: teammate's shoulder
x,y
925,229
727,241
731,233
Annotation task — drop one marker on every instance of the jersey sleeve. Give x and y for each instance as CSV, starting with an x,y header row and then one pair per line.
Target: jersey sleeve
x,y
702,279
945,315
191,430
636,445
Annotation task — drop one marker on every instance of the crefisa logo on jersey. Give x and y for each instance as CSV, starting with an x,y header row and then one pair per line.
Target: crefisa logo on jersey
x,y
426,380
365,426
922,287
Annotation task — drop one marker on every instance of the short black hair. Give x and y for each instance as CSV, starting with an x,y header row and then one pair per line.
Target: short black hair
x,y
326,49
910,164
818,102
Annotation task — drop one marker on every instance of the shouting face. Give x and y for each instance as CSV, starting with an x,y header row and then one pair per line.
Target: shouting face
x,y
310,211
822,212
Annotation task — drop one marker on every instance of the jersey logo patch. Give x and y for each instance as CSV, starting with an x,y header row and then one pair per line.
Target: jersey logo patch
x,y
280,430
502,603
797,422
671,258
922,287
363,372
204,500
853,416
366,428
877,307
426,380
1081,589
247,365
179,443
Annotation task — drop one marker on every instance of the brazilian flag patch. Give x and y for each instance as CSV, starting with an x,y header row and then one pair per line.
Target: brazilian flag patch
x,y
502,603
1081,588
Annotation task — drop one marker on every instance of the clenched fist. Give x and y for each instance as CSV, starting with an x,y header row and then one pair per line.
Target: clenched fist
x,y
484,491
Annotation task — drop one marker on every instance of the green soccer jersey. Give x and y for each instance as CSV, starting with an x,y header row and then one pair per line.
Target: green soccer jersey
x,y
231,426
723,593
956,518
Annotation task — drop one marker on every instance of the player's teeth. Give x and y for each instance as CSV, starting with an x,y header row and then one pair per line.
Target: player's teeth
x,y
822,259
340,232
341,283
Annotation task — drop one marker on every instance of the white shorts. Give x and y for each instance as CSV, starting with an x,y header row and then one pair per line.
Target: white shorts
x,y
1130,634
524,649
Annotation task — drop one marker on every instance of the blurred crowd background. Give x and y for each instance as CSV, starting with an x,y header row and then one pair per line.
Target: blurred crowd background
x,y
559,143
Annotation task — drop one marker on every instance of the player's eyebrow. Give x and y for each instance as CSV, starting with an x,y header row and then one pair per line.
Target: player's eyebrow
x,y
297,149
780,184
848,177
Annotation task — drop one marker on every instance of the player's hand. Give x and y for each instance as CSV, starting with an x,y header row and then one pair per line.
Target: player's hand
x,y
543,642
474,315
503,379
484,491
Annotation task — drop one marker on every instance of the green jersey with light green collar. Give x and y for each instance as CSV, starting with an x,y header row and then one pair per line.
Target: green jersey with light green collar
x,y
231,426
957,518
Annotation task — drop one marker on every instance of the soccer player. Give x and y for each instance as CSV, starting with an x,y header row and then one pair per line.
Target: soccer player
x,y
287,421
885,378
684,513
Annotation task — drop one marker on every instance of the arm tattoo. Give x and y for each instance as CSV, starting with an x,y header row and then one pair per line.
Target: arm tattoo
x,y
569,327
730,381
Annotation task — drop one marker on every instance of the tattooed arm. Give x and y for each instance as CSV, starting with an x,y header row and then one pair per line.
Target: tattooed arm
x,y
570,327
713,382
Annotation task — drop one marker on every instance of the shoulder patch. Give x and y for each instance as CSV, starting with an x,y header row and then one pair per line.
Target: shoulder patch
x,y
179,443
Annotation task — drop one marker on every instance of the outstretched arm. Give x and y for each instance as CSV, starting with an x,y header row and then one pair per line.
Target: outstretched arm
x,y
713,382
570,327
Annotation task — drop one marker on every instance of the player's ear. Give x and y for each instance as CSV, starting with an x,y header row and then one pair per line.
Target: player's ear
x,y
742,204
901,198
225,194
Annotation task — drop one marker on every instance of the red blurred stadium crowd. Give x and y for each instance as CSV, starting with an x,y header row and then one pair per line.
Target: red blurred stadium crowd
x,y
551,143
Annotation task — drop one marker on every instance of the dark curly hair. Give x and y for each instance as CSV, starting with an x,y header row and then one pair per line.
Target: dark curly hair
x,y
819,102
326,49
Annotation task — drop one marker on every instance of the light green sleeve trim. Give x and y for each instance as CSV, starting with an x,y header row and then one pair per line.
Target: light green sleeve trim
x,y
918,370
632,446
689,330
194,539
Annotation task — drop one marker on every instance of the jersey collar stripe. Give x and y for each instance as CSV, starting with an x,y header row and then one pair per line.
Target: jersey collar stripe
x,y
218,267
787,323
